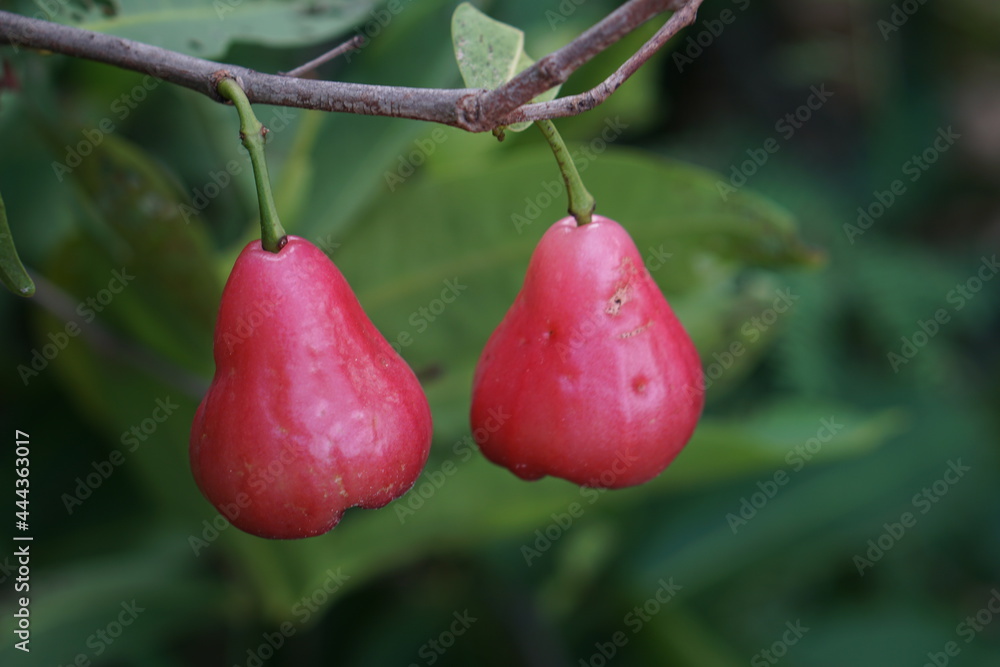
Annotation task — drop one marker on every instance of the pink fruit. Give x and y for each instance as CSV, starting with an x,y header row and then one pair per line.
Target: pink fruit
x,y
590,376
310,411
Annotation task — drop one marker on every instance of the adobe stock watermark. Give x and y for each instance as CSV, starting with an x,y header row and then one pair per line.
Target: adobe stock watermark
x,y
959,296
130,439
635,620
779,648
423,317
432,650
327,245
87,311
751,331
912,169
462,450
695,45
967,630
551,533
898,17
301,612
217,181
786,127
565,9
553,189
50,10
923,502
407,163
768,488
121,108
103,637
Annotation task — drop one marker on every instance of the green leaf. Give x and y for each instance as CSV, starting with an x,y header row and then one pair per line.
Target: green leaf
x,y
490,53
206,29
138,226
487,50
139,295
12,272
804,431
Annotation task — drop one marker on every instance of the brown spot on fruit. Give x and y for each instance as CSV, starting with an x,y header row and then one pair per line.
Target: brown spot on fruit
x,y
617,300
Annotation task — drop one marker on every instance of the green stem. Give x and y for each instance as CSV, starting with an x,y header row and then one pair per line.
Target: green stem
x,y
581,202
272,234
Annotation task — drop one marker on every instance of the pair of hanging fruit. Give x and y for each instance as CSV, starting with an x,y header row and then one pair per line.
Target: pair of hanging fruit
x,y
311,411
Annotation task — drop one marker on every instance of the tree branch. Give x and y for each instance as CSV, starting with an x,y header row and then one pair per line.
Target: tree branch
x,y
468,109
572,105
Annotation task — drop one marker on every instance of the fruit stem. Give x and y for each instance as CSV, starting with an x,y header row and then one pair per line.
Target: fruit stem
x,y
581,202
272,234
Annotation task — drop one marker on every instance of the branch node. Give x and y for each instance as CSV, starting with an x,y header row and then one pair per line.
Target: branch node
x,y
469,113
550,71
216,79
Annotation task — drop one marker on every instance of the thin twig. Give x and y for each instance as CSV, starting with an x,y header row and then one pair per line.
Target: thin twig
x,y
572,105
350,45
472,110
555,68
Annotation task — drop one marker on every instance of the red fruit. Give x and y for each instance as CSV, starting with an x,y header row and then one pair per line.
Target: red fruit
x,y
590,376
310,411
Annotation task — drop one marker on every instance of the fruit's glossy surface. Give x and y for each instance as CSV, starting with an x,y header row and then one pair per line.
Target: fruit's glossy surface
x,y
310,411
590,376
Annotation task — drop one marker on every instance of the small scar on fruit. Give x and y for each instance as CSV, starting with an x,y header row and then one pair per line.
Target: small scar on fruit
x,y
639,383
637,330
619,299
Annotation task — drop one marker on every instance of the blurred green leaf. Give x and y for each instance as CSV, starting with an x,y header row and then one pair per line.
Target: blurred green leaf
x,y
137,220
338,163
206,29
788,435
12,272
133,303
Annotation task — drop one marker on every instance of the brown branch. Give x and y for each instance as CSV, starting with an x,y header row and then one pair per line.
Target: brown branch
x,y
472,110
573,105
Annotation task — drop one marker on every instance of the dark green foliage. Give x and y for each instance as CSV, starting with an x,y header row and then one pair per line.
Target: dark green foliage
x,y
805,403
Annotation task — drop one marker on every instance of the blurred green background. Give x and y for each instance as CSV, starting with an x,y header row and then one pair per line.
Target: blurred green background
x,y
815,187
